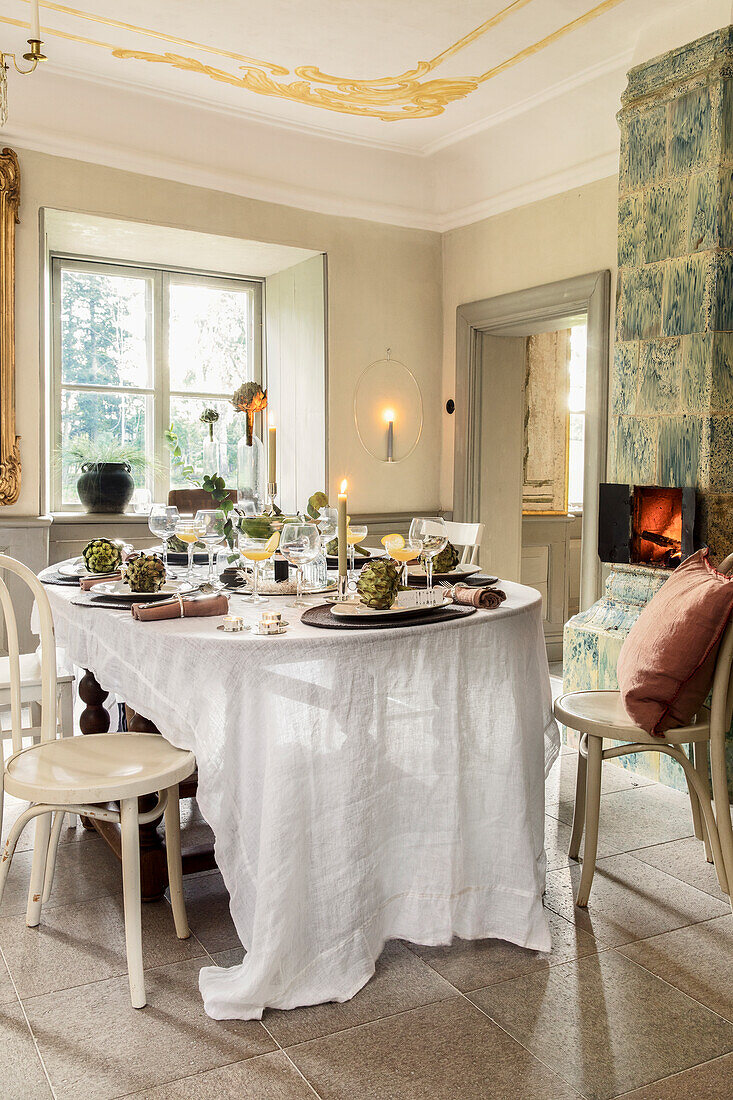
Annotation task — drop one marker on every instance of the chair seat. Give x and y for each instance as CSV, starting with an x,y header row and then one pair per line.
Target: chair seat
x,y
602,714
30,670
96,768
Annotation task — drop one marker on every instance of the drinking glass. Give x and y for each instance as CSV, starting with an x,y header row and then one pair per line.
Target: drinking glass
x,y
354,535
300,543
431,535
162,521
187,531
403,551
209,524
256,550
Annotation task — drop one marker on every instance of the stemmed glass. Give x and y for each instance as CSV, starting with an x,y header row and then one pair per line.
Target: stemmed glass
x,y
354,535
162,521
431,535
300,543
404,551
187,531
256,550
209,524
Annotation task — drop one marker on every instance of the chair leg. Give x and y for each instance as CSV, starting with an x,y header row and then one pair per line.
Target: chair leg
x,y
579,811
66,718
131,893
592,813
38,870
699,753
53,847
175,870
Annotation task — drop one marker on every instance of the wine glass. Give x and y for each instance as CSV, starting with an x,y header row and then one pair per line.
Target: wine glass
x,y
431,535
355,534
300,543
257,550
209,523
187,531
162,522
403,551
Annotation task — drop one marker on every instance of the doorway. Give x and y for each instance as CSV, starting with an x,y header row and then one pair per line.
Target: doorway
x,y
493,481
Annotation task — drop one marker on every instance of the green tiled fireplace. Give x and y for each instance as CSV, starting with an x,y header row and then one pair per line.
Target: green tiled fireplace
x,y
671,403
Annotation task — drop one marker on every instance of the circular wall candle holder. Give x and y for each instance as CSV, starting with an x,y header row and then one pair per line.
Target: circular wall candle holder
x,y
388,410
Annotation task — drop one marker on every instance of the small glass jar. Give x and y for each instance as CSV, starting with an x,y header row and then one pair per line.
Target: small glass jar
x,y
315,574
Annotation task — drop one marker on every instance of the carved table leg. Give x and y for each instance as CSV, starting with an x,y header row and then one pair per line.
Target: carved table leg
x,y
153,863
95,716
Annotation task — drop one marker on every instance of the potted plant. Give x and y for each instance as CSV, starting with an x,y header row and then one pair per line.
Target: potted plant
x,y
105,467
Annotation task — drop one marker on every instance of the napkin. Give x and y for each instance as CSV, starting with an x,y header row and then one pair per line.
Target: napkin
x,y
487,598
85,583
186,608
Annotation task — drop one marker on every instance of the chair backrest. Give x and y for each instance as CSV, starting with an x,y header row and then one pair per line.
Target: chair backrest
x,y
467,535
48,651
190,500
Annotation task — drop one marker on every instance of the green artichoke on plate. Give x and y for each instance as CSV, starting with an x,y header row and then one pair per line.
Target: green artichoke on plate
x,y
145,573
332,549
102,556
378,584
446,560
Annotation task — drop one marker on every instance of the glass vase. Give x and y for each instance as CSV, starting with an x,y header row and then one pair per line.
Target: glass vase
x,y
251,468
215,458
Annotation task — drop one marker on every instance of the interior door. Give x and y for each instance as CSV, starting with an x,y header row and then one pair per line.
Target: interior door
x,y
501,442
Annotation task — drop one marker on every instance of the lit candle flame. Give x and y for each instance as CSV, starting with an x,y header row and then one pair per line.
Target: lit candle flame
x,y
389,415
343,486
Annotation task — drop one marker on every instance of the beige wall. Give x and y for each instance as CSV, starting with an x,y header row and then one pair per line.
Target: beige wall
x,y
557,238
384,289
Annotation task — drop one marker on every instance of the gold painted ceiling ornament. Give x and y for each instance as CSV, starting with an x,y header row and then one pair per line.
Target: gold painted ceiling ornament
x,y
389,98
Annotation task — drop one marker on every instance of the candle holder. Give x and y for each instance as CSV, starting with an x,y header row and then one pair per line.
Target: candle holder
x,y
271,509
342,591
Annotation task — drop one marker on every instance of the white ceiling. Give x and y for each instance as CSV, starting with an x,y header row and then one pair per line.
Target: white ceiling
x,y
354,93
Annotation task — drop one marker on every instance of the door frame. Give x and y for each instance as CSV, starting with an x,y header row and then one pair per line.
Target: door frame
x,y
522,313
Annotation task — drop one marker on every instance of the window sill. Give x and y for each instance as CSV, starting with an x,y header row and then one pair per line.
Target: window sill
x,y
99,517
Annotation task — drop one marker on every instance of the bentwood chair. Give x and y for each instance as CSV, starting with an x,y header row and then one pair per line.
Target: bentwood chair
x,y
468,536
599,714
83,775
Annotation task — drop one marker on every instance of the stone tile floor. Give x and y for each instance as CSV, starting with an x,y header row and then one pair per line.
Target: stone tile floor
x,y
635,1000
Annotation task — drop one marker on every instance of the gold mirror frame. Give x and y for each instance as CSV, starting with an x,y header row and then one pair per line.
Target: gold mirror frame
x,y
9,441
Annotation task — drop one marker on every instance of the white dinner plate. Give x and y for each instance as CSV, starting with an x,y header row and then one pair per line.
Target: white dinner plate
x,y
77,568
120,591
359,610
419,574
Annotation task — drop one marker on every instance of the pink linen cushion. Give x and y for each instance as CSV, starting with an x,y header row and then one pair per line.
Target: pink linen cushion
x,y
666,665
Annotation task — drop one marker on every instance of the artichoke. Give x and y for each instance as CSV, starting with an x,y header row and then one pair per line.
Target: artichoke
x,y
177,547
378,584
446,560
146,573
332,549
102,556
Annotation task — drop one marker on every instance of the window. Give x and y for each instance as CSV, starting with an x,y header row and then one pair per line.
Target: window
x,y
136,349
576,402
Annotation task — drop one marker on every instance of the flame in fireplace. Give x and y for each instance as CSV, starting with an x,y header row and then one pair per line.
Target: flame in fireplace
x,y
656,530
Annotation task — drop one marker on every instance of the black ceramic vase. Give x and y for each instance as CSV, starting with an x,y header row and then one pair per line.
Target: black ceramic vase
x,y
105,486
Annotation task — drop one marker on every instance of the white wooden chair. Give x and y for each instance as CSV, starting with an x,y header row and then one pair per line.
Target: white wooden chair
x,y
468,536
599,714
82,775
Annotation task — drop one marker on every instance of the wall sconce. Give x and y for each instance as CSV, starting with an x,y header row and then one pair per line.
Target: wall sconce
x,y
388,396
33,56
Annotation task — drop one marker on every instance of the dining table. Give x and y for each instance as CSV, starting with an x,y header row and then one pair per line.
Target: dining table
x,y
362,785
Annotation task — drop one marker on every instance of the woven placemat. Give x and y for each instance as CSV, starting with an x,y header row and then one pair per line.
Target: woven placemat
x,y
321,616
86,599
58,578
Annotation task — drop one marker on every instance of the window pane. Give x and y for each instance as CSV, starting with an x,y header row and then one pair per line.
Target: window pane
x,y
104,330
209,338
575,461
578,343
105,420
185,413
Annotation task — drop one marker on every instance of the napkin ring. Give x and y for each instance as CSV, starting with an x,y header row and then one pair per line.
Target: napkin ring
x,y
180,604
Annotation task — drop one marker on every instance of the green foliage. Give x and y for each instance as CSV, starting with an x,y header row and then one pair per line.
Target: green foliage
x,y
216,486
315,503
104,449
210,417
184,469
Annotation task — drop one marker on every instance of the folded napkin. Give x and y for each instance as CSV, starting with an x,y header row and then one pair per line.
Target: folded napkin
x,y
487,598
217,604
85,583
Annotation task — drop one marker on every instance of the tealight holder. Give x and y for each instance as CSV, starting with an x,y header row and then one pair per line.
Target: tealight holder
x,y
232,624
270,622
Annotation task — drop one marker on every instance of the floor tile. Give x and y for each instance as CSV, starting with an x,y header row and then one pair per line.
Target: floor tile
x,y
560,783
471,964
7,990
207,905
401,981
440,1052
697,959
629,900
83,871
266,1077
712,1081
635,818
606,1024
94,1044
557,842
684,859
77,944
14,807
21,1072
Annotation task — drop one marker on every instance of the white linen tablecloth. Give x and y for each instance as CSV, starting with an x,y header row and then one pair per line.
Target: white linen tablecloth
x,y
361,785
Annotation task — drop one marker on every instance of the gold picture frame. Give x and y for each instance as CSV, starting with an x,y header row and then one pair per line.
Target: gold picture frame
x,y
9,441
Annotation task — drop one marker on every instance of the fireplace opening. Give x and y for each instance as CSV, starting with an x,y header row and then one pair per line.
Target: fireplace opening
x,y
652,526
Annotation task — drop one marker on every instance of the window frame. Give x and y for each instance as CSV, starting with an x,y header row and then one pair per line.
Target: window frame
x,y
159,279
